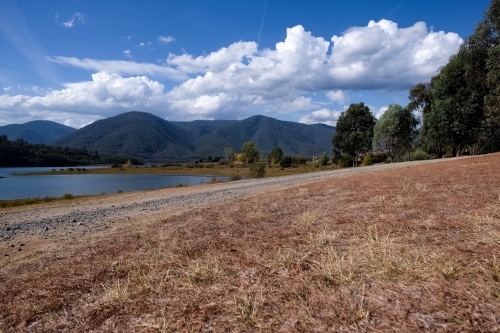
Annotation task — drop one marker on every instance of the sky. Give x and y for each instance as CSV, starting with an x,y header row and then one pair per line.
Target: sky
x,y
75,62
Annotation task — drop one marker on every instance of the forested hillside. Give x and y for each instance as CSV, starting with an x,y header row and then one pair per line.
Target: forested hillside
x,y
138,134
268,133
22,153
154,139
38,131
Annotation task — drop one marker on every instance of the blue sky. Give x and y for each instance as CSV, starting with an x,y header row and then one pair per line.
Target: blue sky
x,y
75,62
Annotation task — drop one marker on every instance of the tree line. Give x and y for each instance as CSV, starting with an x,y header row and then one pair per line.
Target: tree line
x,y
22,153
459,107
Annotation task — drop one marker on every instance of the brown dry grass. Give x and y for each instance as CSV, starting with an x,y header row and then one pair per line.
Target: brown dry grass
x,y
410,249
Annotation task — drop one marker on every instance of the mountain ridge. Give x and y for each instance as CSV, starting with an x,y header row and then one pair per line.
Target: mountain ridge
x,y
154,139
36,131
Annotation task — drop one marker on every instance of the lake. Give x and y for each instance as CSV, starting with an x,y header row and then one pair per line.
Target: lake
x,y
20,187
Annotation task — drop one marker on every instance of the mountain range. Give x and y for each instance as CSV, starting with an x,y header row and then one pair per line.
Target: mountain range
x,y
37,131
153,139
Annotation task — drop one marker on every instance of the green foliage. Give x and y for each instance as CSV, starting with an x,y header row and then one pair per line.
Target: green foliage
x,y
461,105
286,162
420,155
295,161
344,161
276,155
367,160
323,159
68,196
22,153
395,131
250,152
354,132
258,170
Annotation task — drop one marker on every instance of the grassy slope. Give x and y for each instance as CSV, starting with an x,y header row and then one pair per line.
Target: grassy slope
x,y
412,249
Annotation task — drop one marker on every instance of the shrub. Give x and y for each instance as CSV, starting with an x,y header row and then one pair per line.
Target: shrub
x,y
286,162
235,178
344,161
420,155
367,160
323,159
258,170
115,166
486,148
67,196
84,169
71,169
120,191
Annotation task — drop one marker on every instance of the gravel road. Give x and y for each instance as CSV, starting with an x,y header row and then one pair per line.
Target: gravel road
x,y
81,216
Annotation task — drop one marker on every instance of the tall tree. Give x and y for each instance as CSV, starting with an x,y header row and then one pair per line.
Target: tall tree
x,y
354,131
394,132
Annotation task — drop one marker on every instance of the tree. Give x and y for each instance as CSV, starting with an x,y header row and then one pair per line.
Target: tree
x,y
457,105
323,159
354,131
276,155
250,152
394,132
228,154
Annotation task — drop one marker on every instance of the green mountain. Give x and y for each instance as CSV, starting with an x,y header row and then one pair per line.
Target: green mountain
x,y
268,133
38,131
136,134
153,139
199,128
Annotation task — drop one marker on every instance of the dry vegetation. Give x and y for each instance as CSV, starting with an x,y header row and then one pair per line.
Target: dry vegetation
x,y
410,249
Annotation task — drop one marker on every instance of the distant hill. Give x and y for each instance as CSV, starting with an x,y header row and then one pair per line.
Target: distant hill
x,y
268,133
153,139
137,134
38,131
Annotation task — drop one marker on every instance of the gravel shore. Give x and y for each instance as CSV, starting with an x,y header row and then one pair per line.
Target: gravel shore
x,y
82,216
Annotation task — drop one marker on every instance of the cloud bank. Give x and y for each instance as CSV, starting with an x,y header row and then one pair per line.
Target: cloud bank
x,y
240,80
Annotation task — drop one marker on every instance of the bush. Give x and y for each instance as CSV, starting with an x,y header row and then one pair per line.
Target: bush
x,y
115,166
420,155
235,178
379,157
286,162
67,196
367,160
258,170
323,159
486,148
344,161
71,169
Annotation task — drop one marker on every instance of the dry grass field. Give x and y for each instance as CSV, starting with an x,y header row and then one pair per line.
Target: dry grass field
x,y
404,250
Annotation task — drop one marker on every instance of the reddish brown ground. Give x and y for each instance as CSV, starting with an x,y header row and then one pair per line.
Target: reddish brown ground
x,y
411,249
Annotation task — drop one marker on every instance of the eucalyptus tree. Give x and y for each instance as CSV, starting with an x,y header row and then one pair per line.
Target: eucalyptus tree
x,y
354,131
395,131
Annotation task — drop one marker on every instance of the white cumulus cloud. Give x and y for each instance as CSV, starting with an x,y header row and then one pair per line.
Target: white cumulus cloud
x,y
106,95
323,116
240,80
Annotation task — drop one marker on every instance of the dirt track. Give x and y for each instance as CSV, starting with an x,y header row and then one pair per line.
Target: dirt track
x,y
31,228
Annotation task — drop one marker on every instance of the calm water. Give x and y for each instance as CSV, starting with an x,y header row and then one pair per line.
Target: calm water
x,y
18,187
